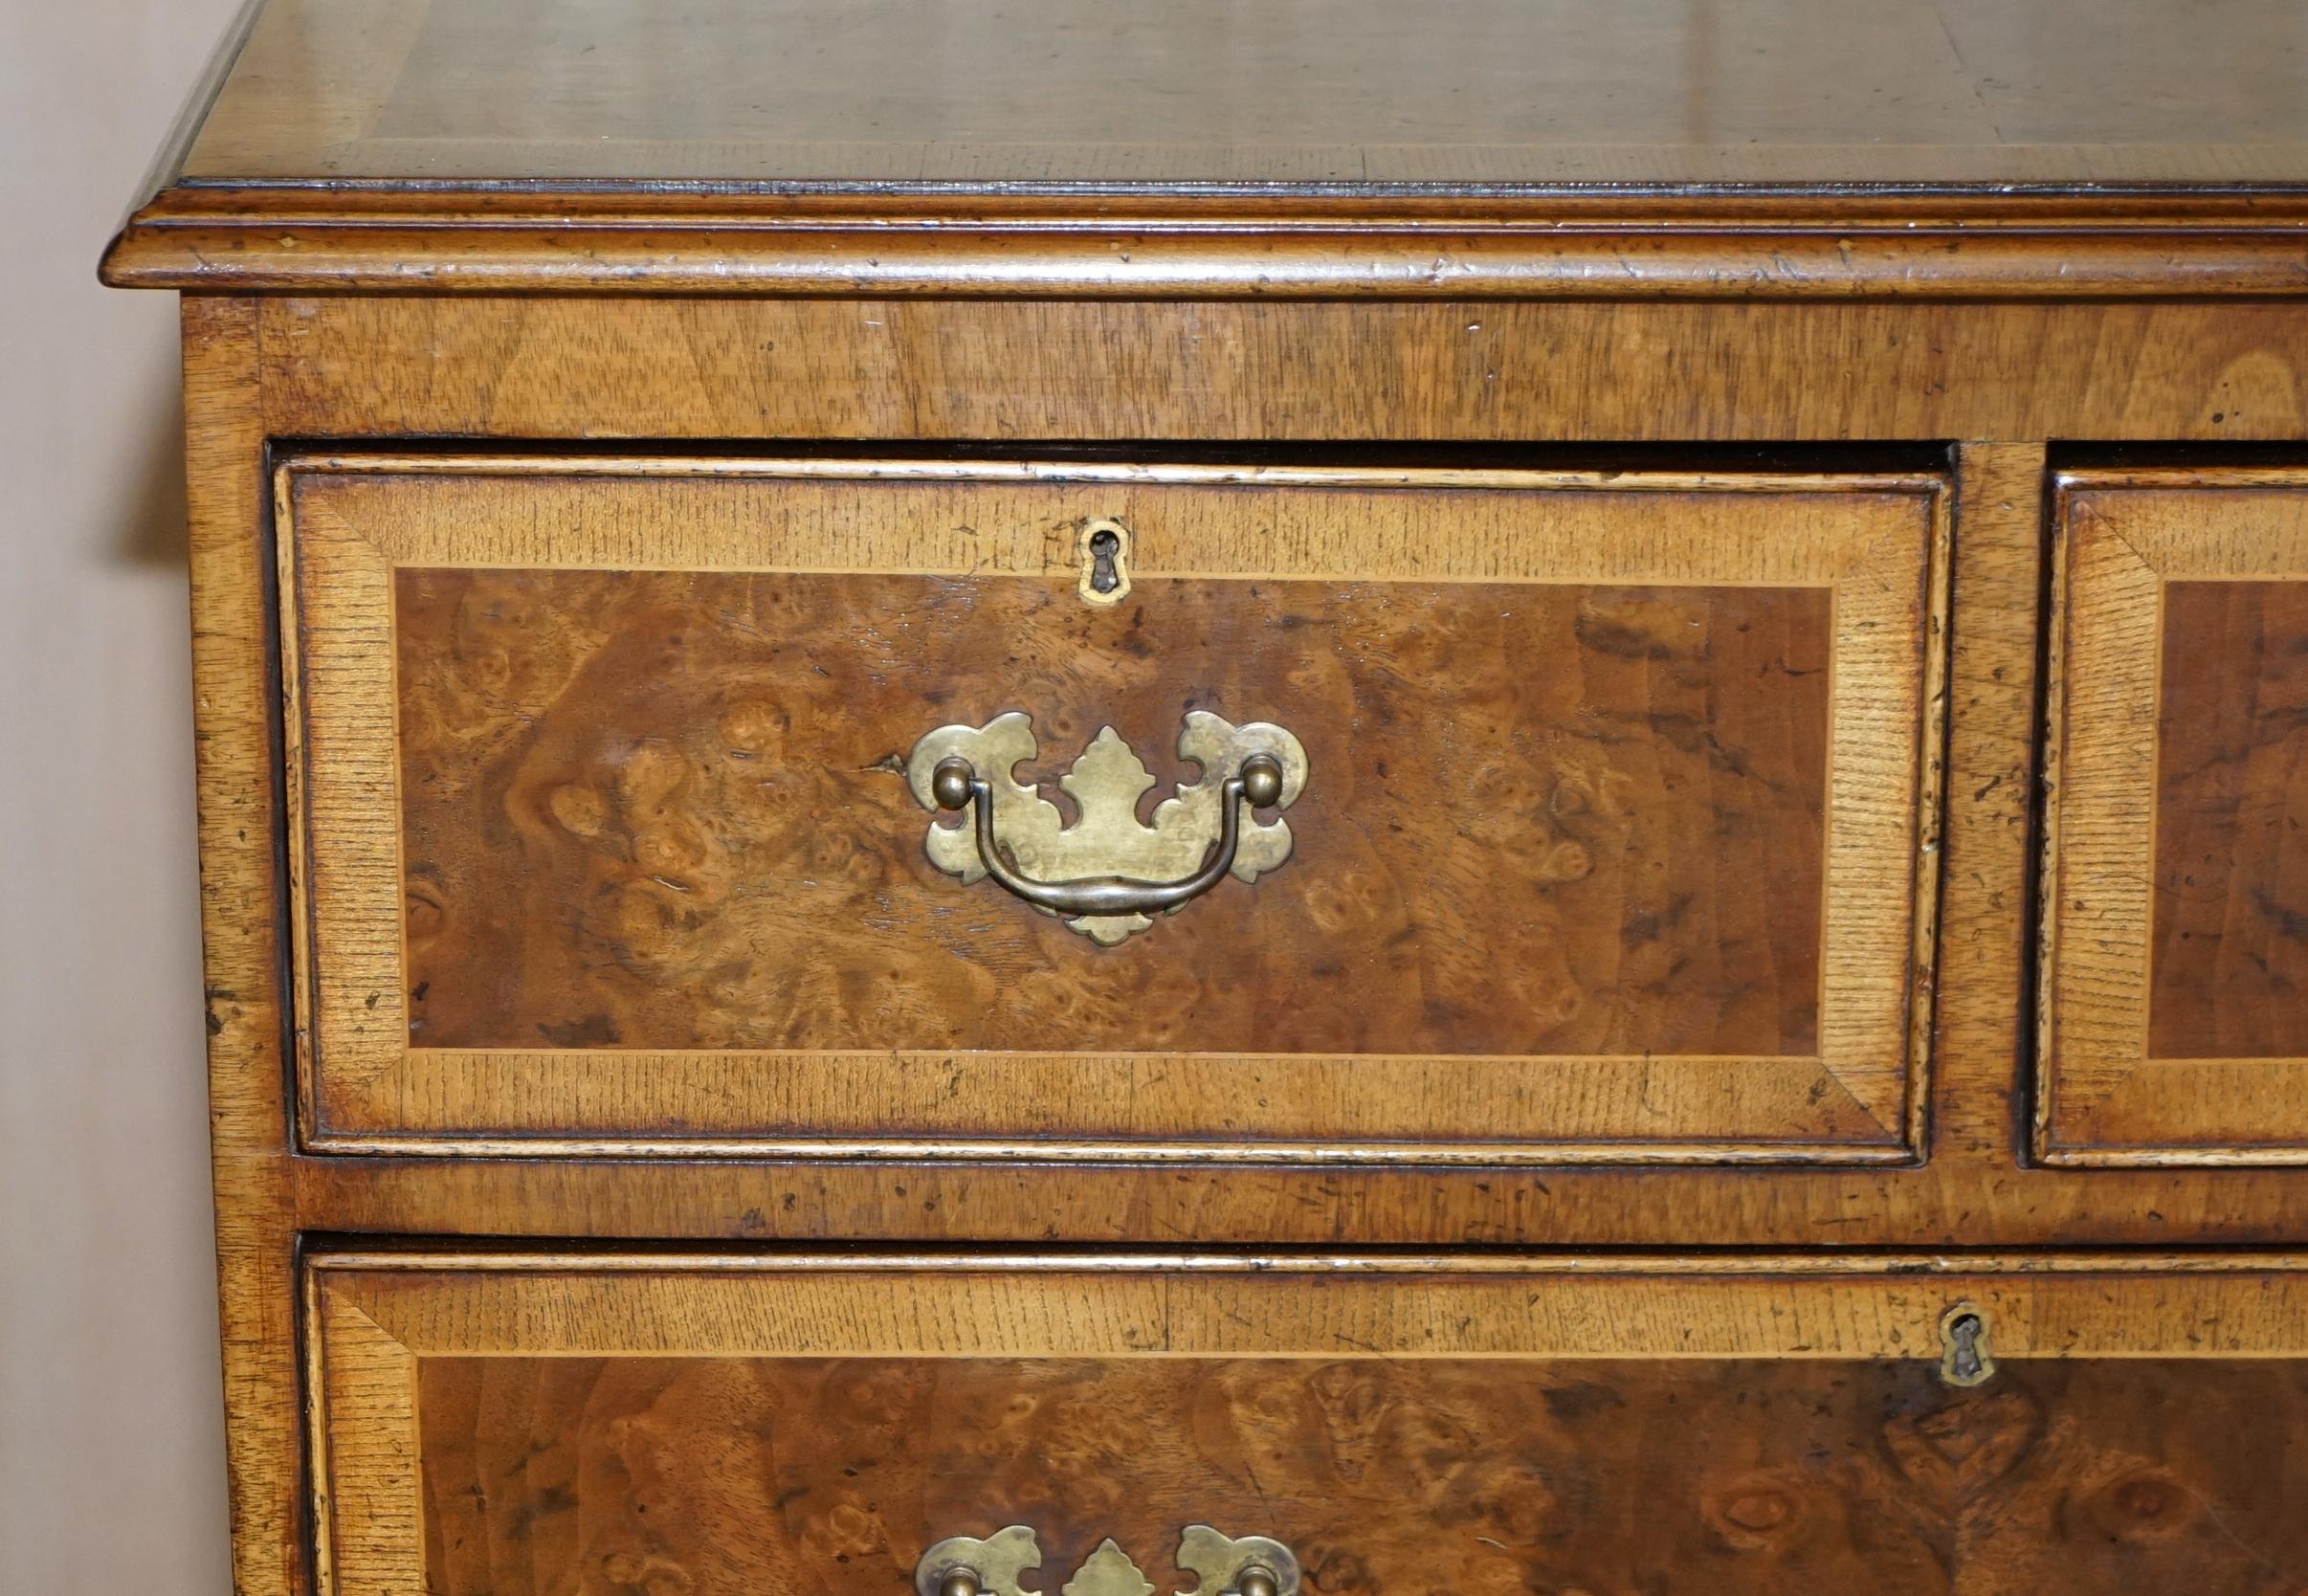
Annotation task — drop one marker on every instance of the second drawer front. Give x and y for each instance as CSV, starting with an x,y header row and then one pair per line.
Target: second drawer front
x,y
728,1426
2175,991
1578,817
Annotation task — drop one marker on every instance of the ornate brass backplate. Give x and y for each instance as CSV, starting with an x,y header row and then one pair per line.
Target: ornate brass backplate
x,y
1108,1572
1108,873
1222,1565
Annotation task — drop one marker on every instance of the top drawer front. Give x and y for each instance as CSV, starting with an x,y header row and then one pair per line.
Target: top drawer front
x,y
2176,882
1608,844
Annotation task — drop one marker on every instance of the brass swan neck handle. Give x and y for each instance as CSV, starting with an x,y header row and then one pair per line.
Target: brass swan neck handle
x,y
956,785
1222,1565
1107,872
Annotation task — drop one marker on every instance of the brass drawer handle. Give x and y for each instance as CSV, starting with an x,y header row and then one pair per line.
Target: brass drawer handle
x,y
961,1565
1107,873
956,783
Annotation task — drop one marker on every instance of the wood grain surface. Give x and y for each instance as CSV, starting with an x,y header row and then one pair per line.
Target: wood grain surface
x,y
2087,244
526,369
1513,375
1194,92
2134,1438
729,1424
736,1476
2170,1026
1798,149
241,890
667,809
2230,959
635,782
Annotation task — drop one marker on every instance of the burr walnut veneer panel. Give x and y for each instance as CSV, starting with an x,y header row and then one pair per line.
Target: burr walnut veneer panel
x,y
2175,1018
628,797
723,1426
1620,795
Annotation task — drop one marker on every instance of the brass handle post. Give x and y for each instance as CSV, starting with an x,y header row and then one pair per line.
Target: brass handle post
x,y
965,1565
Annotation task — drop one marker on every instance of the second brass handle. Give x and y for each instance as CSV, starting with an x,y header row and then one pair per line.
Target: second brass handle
x,y
1222,1565
956,785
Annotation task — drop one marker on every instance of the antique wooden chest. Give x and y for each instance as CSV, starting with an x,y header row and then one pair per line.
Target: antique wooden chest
x,y
1023,795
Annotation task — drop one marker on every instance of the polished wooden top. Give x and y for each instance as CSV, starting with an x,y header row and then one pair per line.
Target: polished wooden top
x,y
1358,92
1477,110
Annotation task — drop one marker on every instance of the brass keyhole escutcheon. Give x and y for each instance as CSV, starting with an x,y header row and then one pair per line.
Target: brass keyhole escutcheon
x,y
1105,556
1104,546
1963,1356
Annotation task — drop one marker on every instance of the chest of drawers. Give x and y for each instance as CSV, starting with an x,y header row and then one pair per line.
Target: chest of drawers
x,y
1319,799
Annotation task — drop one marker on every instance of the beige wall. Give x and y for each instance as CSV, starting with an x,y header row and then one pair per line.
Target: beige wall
x,y
111,1450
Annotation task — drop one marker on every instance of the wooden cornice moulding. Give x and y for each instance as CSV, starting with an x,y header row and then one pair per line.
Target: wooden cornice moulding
x,y
1240,243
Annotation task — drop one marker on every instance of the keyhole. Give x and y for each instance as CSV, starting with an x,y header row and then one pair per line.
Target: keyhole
x,y
1105,554
1104,546
1964,1359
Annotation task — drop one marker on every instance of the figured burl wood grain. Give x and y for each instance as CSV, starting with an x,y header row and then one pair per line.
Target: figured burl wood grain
x,y
665,810
2230,961
733,1477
